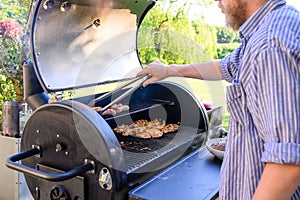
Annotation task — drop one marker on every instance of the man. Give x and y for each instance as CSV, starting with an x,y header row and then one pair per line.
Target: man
x,y
262,158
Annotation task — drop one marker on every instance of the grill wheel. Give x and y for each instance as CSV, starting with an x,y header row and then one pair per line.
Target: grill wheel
x,y
59,193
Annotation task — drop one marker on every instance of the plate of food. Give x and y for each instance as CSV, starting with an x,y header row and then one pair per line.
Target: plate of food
x,y
217,146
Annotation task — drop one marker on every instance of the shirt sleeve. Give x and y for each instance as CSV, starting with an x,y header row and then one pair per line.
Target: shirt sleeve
x,y
229,65
278,100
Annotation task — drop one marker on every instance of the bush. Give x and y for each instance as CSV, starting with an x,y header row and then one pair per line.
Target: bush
x,y
224,49
6,93
14,18
226,35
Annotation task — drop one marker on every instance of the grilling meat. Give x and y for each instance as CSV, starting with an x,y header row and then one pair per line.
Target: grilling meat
x,y
156,124
113,110
146,129
154,133
170,128
109,112
119,107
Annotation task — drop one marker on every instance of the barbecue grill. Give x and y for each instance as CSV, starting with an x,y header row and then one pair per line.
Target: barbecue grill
x,y
68,149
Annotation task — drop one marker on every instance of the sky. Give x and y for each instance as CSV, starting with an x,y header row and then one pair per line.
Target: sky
x,y
214,16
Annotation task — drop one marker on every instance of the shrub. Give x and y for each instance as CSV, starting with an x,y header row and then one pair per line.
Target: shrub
x,y
224,49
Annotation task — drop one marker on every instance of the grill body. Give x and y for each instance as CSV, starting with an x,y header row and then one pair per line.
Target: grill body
x,y
70,134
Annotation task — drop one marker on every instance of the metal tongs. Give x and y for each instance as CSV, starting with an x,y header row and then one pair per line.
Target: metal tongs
x,y
125,94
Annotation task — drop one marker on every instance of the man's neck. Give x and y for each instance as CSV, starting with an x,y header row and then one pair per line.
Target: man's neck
x,y
253,6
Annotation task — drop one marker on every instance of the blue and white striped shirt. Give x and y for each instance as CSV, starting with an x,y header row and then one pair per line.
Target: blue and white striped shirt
x,y
263,99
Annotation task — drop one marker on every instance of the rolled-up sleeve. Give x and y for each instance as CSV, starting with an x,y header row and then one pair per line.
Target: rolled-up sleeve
x,y
278,100
229,65
283,153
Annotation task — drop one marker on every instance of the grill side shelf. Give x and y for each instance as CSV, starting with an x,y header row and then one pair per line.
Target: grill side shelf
x,y
195,176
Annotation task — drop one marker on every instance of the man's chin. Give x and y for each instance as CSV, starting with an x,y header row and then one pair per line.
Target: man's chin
x,y
232,26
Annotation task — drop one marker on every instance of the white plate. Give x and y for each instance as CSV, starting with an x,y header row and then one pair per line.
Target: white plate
x,y
219,154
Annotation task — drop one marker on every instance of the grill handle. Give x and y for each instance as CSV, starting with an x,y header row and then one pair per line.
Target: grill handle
x,y
11,162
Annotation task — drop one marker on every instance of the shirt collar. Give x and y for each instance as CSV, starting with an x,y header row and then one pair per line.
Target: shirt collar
x,y
251,24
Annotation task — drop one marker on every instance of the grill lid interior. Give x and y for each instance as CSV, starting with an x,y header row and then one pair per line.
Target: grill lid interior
x,y
80,43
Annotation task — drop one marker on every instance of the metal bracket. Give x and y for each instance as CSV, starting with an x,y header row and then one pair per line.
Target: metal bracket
x,y
34,146
105,180
87,161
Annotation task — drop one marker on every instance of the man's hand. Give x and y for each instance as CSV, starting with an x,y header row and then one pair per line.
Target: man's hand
x,y
157,70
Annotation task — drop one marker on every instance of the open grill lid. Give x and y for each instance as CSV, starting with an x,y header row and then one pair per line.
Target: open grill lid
x,y
80,43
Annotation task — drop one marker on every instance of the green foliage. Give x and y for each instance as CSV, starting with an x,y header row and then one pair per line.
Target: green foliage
x,y
6,93
6,90
228,40
10,54
16,10
225,35
168,35
224,49
206,37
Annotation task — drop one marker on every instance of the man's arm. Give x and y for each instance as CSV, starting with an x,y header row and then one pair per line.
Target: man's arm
x,y
204,71
278,181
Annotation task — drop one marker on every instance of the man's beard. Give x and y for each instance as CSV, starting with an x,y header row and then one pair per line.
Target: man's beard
x,y
235,14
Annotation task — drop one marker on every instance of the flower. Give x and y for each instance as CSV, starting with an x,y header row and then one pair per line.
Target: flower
x,y
10,28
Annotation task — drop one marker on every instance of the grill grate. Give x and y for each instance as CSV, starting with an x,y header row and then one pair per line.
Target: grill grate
x,y
159,147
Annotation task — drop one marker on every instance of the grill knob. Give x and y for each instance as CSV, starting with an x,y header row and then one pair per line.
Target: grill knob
x,y
59,193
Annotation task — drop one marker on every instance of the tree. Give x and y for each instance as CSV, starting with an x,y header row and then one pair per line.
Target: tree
x,y
169,35
225,49
225,35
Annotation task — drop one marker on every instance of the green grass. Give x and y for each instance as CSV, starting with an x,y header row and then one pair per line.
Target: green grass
x,y
226,121
211,91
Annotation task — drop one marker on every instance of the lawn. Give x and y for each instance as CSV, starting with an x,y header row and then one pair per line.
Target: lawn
x,y
208,91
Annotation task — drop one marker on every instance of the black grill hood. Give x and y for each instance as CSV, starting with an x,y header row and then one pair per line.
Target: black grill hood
x,y
80,43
